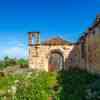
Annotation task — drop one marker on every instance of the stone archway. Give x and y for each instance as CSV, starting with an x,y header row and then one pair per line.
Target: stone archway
x,y
55,61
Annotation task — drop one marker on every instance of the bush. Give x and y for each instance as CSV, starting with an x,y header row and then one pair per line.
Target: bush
x,y
73,84
93,91
23,63
7,62
10,62
32,86
2,65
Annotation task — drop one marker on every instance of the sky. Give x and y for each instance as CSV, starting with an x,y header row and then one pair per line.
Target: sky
x,y
67,19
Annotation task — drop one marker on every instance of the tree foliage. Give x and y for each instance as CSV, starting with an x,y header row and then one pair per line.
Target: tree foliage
x,y
11,62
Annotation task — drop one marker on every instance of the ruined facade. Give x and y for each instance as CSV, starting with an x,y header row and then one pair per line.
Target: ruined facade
x,y
48,55
58,54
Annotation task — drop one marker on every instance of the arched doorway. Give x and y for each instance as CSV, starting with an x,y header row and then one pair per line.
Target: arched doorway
x,y
56,61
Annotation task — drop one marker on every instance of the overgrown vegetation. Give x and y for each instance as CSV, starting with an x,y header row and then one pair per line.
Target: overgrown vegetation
x,y
65,85
74,84
30,86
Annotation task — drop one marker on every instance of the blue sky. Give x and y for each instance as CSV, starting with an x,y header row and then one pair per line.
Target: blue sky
x,y
65,18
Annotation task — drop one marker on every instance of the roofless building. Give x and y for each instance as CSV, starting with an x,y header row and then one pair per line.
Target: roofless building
x,y
58,54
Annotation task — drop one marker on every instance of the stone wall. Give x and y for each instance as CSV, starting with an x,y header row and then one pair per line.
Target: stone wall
x,y
73,59
38,58
93,53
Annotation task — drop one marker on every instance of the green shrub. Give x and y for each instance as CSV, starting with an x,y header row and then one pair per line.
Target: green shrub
x,y
30,86
6,62
36,87
23,63
93,91
10,62
2,65
73,84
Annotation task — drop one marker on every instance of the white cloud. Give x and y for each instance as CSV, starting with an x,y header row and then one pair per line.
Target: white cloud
x,y
17,52
13,48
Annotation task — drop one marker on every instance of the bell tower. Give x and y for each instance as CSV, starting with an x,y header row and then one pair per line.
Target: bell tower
x,y
36,36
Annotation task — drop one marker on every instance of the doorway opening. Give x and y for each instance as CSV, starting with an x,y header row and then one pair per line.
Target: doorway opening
x,y
56,61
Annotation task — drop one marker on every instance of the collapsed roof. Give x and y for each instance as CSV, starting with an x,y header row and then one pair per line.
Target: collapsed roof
x,y
56,41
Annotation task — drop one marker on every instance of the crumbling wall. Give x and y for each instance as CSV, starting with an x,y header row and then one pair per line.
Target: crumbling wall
x,y
38,58
94,50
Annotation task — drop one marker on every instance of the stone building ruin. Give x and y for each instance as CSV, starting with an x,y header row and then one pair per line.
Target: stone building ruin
x,y
57,53
49,55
